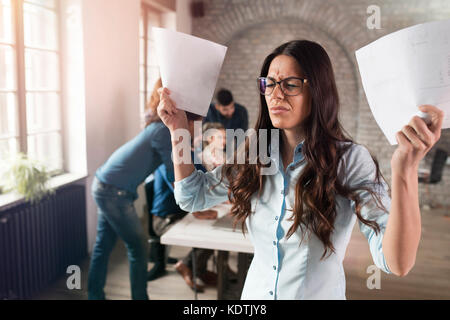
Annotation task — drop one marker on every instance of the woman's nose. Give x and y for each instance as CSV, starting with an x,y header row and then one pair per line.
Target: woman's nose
x,y
277,92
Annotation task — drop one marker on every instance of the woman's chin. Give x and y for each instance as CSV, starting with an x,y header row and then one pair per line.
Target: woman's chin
x,y
279,123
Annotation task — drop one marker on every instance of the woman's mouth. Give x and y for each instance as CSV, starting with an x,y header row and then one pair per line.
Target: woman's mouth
x,y
278,110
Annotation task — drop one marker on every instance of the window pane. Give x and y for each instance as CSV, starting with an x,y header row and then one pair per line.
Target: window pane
x,y
142,104
7,68
43,112
6,22
153,75
141,51
153,20
46,148
44,3
152,57
8,114
8,147
41,71
40,27
141,78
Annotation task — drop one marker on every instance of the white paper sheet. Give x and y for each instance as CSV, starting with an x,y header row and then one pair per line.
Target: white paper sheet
x,y
189,67
404,70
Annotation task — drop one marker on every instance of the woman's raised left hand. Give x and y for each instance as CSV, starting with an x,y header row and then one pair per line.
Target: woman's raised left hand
x,y
415,140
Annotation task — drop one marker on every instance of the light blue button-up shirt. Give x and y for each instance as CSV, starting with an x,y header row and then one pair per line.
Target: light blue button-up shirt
x,y
285,268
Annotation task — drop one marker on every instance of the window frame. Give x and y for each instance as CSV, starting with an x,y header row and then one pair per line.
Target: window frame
x,y
23,132
145,10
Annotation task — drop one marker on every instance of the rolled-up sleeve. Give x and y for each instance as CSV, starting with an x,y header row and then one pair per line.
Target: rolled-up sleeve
x,y
371,212
360,172
201,190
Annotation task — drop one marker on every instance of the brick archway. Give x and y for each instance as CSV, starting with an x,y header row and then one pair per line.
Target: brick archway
x,y
325,21
330,18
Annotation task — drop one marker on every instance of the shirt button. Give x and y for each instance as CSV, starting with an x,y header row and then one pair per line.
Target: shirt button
x,y
274,268
274,243
271,293
276,218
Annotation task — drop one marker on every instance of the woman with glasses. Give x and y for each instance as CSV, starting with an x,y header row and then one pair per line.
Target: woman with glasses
x,y
300,219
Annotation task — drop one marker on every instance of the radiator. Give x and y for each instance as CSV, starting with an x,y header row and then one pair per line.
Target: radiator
x,y
38,242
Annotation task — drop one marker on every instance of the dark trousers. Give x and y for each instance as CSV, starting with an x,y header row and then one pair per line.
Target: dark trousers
x,y
201,260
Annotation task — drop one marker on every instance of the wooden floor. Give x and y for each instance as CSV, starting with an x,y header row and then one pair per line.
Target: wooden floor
x,y
429,279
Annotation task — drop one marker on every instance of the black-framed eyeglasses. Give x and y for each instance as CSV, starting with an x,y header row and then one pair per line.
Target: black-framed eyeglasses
x,y
291,86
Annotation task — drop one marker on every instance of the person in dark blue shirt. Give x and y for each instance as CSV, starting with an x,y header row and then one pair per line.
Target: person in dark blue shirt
x,y
160,193
230,114
161,202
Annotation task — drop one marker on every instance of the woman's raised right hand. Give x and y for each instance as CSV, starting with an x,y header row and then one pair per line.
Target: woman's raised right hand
x,y
172,117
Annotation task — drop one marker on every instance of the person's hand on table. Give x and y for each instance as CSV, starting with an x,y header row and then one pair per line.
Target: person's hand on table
x,y
206,215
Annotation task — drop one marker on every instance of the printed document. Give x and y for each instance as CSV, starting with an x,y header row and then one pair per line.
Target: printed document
x,y
189,68
404,70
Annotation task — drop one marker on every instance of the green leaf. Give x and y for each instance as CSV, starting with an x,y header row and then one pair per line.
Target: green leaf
x,y
27,177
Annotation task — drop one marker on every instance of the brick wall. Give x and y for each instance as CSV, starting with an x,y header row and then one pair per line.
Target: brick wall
x,y
253,28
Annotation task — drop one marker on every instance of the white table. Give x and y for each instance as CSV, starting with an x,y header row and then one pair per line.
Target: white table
x,y
198,233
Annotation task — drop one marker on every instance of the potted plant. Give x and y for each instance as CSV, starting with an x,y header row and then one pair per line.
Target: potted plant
x,y
27,177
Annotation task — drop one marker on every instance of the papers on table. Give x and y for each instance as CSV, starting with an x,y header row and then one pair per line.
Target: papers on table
x,y
189,67
404,70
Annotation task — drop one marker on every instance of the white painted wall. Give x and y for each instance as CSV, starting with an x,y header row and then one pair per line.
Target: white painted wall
x,y
111,55
73,98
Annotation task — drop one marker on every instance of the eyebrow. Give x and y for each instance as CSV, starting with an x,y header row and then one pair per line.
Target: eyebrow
x,y
282,78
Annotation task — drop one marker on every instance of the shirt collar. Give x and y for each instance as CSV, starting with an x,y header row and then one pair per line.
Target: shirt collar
x,y
298,156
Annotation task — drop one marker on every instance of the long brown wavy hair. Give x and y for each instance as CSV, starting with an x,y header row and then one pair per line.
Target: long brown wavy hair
x,y
151,115
325,143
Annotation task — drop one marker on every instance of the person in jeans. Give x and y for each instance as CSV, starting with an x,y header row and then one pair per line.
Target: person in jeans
x,y
161,204
114,191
